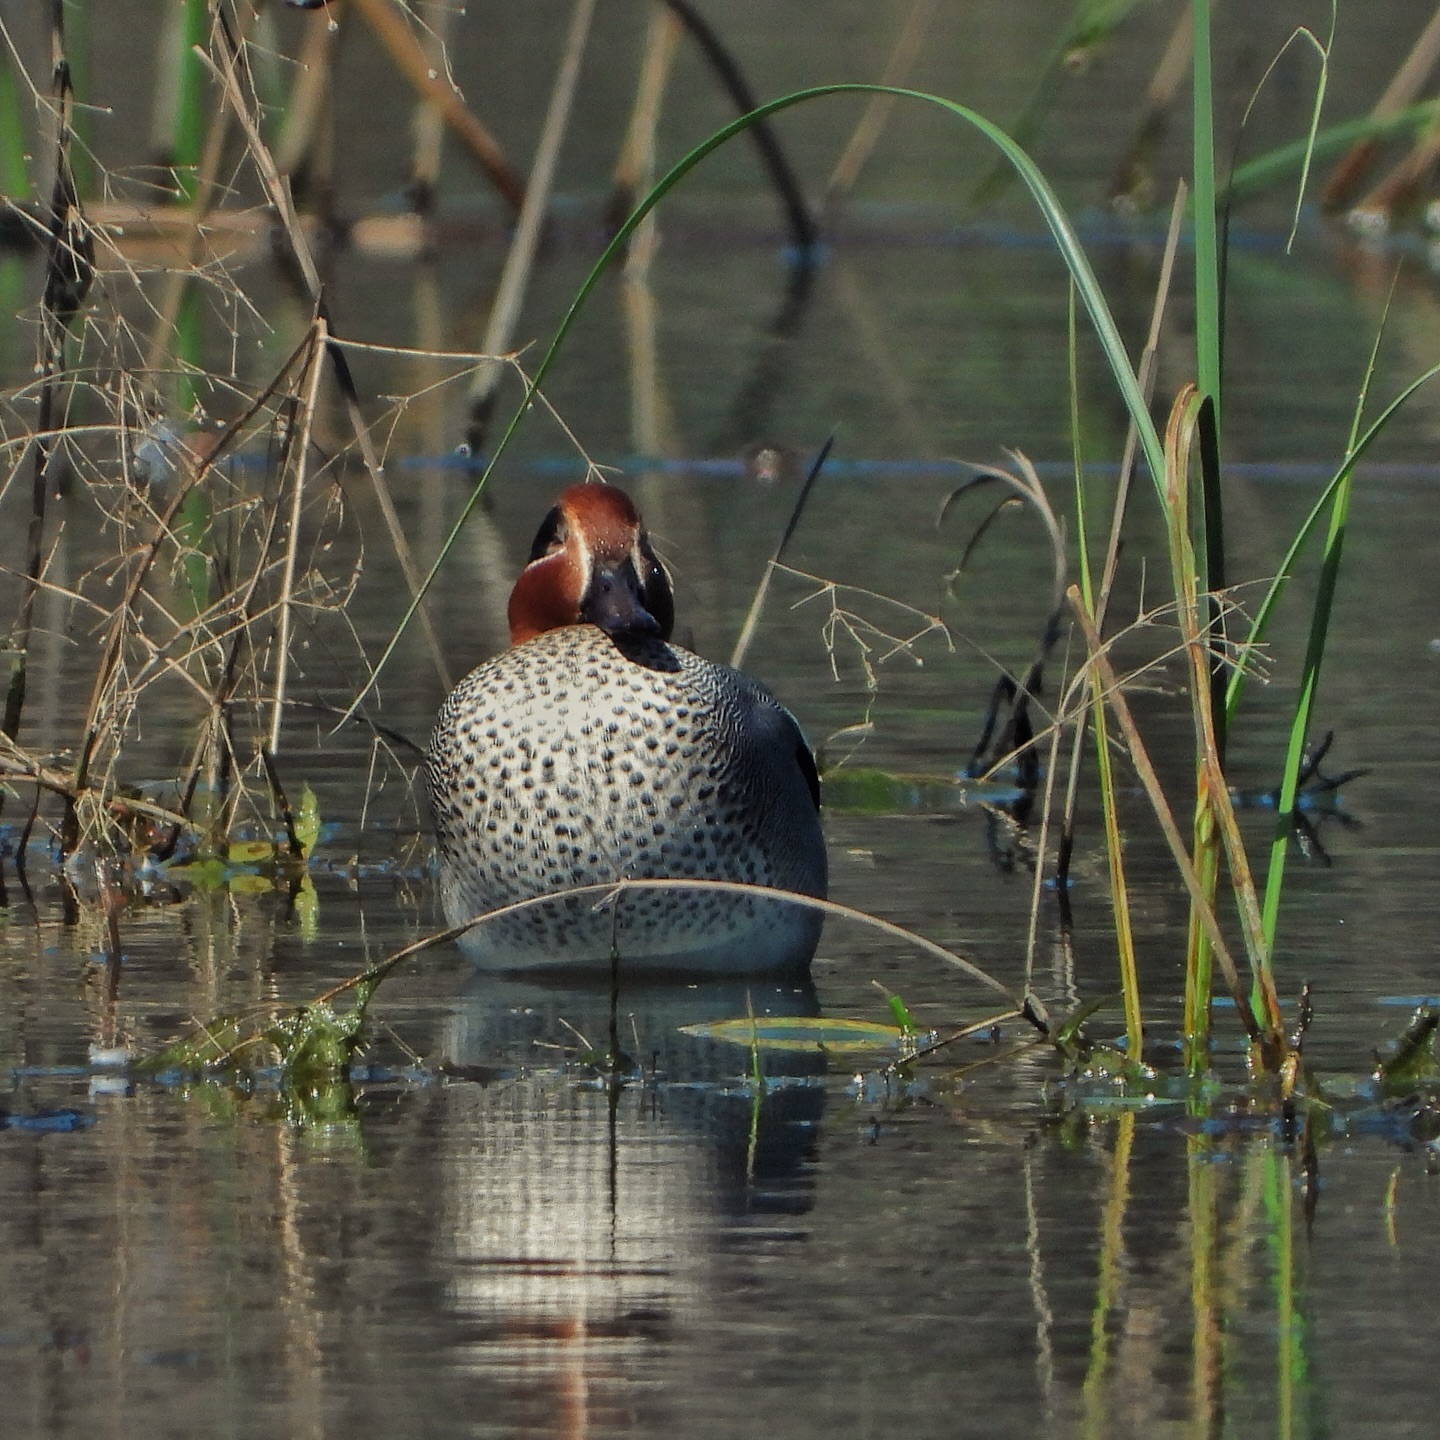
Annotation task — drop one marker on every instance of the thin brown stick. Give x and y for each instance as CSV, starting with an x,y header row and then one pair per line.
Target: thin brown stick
x,y
608,891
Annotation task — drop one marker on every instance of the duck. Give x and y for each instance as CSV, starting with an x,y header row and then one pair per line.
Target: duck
x,y
594,749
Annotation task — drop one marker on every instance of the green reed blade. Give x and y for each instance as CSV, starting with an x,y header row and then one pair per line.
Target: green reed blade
x,y
14,174
189,136
1208,338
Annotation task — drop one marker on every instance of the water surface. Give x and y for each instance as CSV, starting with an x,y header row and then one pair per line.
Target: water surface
x,y
497,1242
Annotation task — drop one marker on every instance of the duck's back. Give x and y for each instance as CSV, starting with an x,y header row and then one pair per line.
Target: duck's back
x,y
573,760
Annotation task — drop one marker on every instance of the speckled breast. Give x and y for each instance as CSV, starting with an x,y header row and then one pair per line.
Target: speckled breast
x,y
574,759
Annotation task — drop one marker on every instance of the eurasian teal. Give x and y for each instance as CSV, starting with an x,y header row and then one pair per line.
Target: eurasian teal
x,y
594,750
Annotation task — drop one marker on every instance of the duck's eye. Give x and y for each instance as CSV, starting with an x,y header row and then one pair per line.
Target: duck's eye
x,y
550,537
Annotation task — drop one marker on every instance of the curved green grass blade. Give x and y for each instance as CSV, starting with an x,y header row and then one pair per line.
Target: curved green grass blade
x,y
1051,210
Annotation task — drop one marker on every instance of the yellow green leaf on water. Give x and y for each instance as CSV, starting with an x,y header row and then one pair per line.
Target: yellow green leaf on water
x,y
249,852
799,1032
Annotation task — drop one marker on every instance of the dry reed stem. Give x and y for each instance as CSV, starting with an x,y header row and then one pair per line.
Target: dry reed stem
x,y
877,110
635,166
515,276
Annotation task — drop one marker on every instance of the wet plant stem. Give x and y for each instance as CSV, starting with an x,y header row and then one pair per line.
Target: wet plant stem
x,y
310,388
1114,842
1272,1040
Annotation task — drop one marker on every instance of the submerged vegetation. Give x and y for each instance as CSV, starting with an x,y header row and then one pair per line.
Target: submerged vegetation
x,y
231,534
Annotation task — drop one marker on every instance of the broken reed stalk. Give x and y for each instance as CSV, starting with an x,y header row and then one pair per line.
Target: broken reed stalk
x,y
515,276
652,419
635,165
877,110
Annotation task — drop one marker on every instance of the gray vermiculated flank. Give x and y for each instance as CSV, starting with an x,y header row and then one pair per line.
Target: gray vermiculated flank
x,y
569,760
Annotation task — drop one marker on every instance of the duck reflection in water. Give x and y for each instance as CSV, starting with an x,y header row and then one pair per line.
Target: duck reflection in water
x,y
580,1211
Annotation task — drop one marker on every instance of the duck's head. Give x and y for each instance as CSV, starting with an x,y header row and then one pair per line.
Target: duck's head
x,y
592,562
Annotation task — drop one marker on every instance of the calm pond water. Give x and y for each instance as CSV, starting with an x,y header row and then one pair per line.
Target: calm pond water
x,y
495,1242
